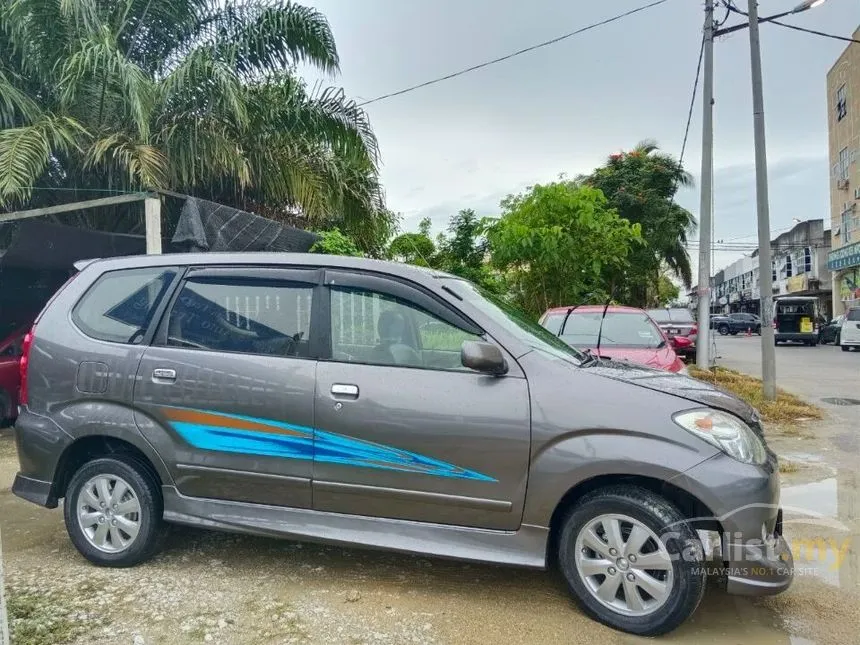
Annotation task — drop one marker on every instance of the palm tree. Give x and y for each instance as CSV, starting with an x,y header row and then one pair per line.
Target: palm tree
x,y
198,96
641,184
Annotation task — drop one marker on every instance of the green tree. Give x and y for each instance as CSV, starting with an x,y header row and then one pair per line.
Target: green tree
x,y
664,292
641,185
561,244
197,96
334,242
415,248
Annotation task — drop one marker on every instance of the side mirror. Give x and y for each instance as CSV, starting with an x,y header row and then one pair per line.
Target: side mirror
x,y
483,357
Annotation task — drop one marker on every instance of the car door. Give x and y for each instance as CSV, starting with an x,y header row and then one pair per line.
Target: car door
x,y
225,392
403,430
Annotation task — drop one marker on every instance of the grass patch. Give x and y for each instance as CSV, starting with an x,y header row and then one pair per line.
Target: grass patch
x,y
35,620
788,467
787,408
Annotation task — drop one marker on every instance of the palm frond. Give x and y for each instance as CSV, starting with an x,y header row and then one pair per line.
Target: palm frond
x,y
16,107
97,60
261,37
25,152
145,165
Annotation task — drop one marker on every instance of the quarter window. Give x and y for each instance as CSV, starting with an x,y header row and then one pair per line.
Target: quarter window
x,y
120,305
374,328
246,316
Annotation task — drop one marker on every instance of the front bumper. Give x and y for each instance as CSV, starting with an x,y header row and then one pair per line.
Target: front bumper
x,y
744,501
763,571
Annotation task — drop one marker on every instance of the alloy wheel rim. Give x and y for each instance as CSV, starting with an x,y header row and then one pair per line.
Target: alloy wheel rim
x,y
624,565
109,513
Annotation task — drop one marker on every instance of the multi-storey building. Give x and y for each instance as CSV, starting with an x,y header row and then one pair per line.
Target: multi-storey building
x,y
843,101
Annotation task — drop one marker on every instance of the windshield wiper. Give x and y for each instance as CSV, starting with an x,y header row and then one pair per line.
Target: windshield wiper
x,y
590,358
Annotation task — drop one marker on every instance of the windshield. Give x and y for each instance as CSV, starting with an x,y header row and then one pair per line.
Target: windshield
x,y
671,315
615,330
853,315
516,322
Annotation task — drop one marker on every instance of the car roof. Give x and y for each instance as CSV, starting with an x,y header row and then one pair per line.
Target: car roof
x,y
613,309
311,260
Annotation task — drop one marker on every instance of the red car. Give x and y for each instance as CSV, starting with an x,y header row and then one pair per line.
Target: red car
x,y
10,353
624,333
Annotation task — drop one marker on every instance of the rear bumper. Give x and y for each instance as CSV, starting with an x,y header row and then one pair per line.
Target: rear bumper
x,y
34,490
796,337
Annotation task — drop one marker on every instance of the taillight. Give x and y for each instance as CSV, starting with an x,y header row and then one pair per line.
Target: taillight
x,y
23,366
694,331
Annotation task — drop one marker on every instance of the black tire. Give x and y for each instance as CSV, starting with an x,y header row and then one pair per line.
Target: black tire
x,y
758,330
661,517
143,483
837,340
723,329
845,348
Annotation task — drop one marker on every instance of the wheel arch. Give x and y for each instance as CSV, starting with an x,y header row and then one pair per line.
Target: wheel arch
x,y
688,504
94,446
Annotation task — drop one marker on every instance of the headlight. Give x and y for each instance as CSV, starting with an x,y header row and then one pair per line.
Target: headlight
x,y
726,432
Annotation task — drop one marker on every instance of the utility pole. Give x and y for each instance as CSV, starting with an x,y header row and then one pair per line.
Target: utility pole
x,y
703,342
768,353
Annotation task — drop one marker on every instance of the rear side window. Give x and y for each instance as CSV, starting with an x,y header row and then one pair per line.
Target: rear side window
x,y
854,315
246,316
120,305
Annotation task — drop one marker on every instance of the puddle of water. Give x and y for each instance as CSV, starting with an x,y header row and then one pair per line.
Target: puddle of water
x,y
820,524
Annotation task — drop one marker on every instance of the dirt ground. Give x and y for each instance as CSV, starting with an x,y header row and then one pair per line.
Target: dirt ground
x,y
220,588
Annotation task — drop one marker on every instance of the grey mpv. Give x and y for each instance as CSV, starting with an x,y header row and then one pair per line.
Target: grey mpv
x,y
366,403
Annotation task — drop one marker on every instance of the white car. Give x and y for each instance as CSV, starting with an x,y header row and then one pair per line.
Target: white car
x,y
850,334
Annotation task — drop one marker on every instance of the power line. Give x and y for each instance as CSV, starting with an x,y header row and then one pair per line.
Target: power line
x,y
519,52
692,102
815,32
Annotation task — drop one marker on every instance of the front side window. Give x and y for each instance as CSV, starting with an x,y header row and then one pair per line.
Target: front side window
x,y
120,305
378,329
251,317
587,329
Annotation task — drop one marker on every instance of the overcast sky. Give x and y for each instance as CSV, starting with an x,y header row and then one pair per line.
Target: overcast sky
x,y
470,141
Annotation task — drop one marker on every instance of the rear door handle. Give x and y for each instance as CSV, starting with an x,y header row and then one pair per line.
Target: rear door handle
x,y
163,374
344,390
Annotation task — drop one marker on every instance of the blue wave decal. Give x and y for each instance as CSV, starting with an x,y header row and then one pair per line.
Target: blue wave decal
x,y
242,434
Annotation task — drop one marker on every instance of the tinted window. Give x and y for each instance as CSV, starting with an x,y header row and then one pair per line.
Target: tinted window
x,y
615,330
252,317
664,316
369,327
120,305
853,315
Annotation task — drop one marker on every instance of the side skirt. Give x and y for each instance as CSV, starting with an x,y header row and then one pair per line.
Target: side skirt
x,y
525,547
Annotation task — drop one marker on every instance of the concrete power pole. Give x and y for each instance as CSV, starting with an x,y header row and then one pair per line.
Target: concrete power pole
x,y
703,343
768,353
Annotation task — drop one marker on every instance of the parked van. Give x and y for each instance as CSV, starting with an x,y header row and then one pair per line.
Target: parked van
x,y
849,336
796,320
375,404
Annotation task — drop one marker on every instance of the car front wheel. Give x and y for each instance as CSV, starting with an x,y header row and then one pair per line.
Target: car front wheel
x,y
631,560
113,512
723,329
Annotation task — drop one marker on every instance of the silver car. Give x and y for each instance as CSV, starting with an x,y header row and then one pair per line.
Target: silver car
x,y
374,404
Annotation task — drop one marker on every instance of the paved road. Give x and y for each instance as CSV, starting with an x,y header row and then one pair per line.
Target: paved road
x,y
811,372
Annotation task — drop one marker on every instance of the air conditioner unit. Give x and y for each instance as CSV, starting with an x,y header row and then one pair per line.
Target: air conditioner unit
x,y
842,184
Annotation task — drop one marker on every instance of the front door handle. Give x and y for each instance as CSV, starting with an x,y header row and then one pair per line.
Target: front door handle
x,y
163,374
344,390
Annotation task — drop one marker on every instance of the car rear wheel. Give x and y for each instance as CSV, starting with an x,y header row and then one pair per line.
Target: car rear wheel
x,y
845,348
631,560
113,512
